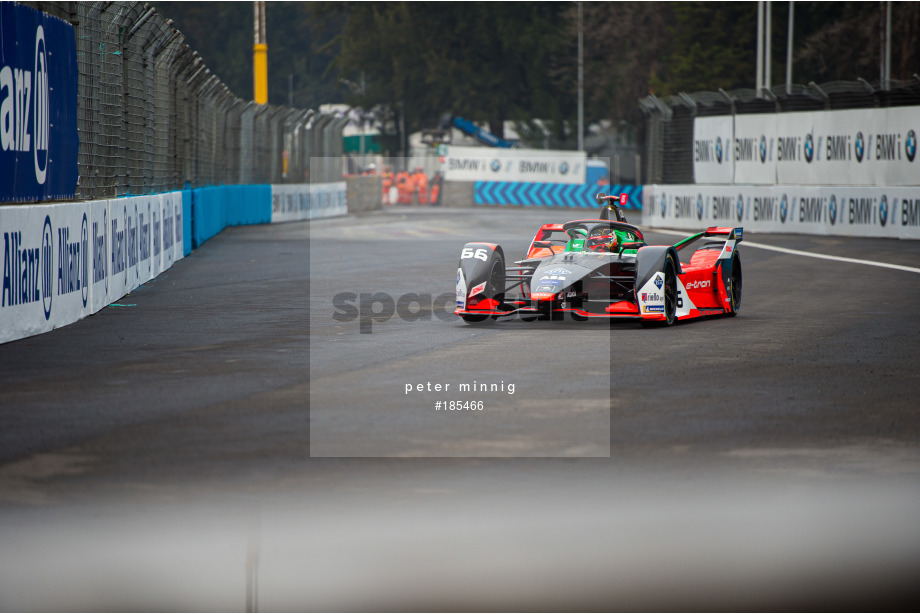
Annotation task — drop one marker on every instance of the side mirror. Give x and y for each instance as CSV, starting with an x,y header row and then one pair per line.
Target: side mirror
x,y
601,199
542,244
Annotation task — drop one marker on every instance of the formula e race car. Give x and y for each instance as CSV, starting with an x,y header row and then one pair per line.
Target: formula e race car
x,y
602,268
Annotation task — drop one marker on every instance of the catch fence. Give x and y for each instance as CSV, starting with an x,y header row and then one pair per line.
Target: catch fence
x,y
152,116
669,121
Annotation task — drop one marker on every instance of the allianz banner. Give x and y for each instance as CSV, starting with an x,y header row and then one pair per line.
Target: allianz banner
x,y
520,165
38,106
65,261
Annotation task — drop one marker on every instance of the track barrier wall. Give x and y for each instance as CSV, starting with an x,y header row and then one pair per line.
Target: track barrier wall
x,y
65,261
844,211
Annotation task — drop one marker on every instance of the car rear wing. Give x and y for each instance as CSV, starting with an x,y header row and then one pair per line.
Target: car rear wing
x,y
734,234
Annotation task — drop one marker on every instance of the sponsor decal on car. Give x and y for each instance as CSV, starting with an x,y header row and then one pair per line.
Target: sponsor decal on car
x,y
559,271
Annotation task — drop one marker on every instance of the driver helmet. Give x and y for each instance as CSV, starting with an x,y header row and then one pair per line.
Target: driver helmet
x,y
603,241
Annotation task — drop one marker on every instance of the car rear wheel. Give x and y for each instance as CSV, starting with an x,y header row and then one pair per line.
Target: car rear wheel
x,y
734,286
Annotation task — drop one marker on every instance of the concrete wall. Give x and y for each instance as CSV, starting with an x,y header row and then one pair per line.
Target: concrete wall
x,y
364,193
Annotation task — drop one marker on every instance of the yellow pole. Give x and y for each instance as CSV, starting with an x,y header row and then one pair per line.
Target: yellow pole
x,y
260,56
260,72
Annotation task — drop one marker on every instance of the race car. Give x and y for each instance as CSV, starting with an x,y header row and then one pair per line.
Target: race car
x,y
603,268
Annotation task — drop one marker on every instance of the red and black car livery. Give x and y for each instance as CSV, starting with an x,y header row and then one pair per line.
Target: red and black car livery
x,y
603,268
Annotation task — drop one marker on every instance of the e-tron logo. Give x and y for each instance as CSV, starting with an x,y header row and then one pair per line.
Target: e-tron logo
x,y
910,145
41,107
883,210
763,148
47,261
809,148
719,149
740,207
832,209
783,209
860,147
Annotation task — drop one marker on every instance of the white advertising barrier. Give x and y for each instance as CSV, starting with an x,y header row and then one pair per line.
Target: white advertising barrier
x,y
66,261
853,147
713,149
858,147
753,143
520,165
846,211
306,201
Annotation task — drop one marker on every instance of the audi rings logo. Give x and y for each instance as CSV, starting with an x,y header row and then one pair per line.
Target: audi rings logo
x,y
883,210
809,148
740,207
832,209
910,145
47,262
860,147
719,149
41,107
783,209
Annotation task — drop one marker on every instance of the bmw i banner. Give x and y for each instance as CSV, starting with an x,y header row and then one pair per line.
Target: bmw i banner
x,y
38,106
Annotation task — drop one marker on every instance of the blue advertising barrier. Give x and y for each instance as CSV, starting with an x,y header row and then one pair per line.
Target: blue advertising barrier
x,y
571,195
38,106
215,208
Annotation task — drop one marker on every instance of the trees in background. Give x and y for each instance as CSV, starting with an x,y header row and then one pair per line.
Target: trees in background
x,y
497,61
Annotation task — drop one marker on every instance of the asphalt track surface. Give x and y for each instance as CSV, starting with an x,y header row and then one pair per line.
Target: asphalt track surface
x,y
154,456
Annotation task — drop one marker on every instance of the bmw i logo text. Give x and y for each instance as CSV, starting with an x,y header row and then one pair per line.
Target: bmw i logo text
x,y
664,206
783,209
740,207
809,148
832,209
699,206
910,146
496,165
719,149
563,168
883,210
763,148
860,147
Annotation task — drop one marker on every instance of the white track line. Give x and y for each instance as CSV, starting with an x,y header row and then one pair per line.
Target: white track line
x,y
796,252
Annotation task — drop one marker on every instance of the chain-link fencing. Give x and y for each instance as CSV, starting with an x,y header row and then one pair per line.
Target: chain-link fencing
x,y
152,117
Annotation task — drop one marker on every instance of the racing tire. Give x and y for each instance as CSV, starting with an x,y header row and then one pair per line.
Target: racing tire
x,y
734,286
495,289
